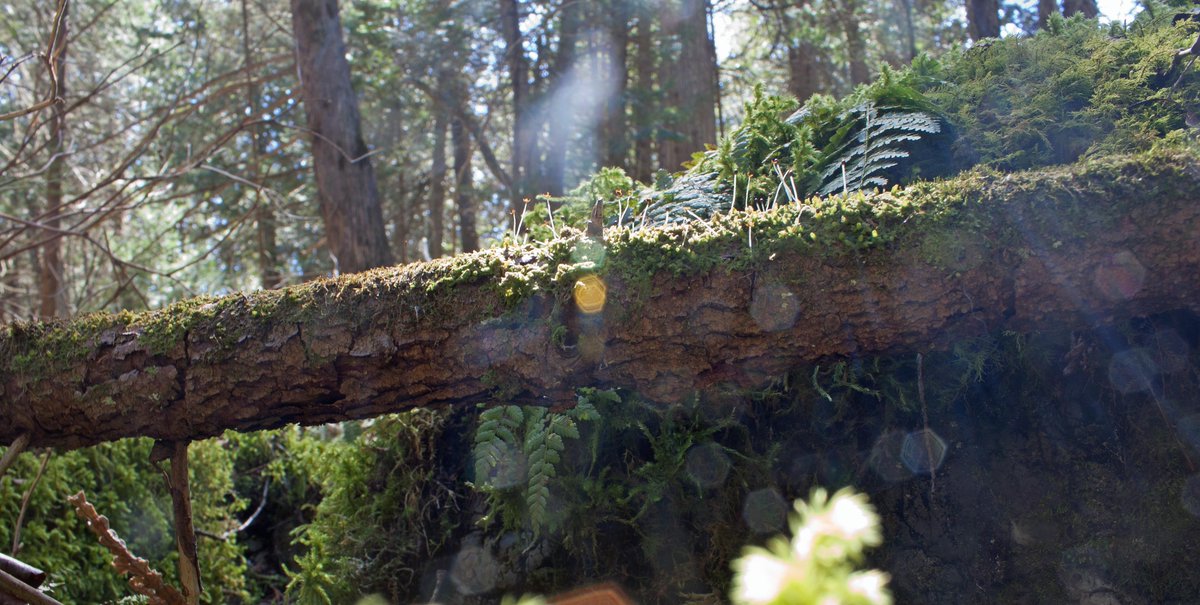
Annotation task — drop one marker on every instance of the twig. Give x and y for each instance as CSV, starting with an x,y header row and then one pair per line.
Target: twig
x,y
16,540
185,534
262,503
925,418
54,50
14,450
143,580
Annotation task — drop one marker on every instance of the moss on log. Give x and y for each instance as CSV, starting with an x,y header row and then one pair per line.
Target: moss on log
x,y
733,301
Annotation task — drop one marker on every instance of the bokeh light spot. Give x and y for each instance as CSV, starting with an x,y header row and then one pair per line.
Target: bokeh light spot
x,y
1120,277
1191,495
1132,370
1188,428
886,456
509,470
707,465
475,570
1171,351
590,293
923,451
589,251
764,511
774,307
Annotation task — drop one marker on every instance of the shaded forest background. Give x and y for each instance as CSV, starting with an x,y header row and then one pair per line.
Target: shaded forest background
x,y
157,151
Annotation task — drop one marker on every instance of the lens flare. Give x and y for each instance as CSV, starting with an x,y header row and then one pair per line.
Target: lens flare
x,y
764,511
590,293
923,451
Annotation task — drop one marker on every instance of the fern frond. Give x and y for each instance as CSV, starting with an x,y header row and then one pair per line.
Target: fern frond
x,y
496,438
883,135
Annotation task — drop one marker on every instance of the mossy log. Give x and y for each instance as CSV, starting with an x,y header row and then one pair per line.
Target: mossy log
x,y
733,302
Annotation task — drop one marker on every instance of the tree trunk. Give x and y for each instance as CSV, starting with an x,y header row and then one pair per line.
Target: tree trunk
x,y
1077,246
856,46
268,251
1087,8
524,137
563,116
345,178
613,143
804,73
52,299
464,195
437,186
691,80
910,32
646,110
983,19
1046,8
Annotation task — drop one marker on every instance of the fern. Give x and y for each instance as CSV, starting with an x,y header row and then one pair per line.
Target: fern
x,y
509,434
876,147
690,197
496,438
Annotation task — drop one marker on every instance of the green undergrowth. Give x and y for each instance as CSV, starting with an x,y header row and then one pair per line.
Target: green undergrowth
x,y
122,484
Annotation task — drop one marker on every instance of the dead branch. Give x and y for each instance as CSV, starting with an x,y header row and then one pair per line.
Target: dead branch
x,y
142,579
185,534
16,539
14,450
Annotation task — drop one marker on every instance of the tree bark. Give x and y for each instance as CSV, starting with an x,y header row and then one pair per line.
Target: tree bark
x,y
562,118
856,45
643,98
464,194
691,78
983,19
613,141
1046,9
345,177
52,299
1078,246
437,187
804,72
910,32
524,137
265,224
1087,8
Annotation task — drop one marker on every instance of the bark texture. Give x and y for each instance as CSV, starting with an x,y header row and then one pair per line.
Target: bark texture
x,y
345,178
983,19
524,137
690,78
804,71
52,299
1087,8
686,308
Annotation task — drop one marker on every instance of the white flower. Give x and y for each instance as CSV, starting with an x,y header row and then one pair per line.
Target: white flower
x,y
760,578
803,542
871,585
850,517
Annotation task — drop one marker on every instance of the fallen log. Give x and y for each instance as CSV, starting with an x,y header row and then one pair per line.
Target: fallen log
x,y
669,311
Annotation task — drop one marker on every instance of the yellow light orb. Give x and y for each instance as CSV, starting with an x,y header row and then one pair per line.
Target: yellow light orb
x,y
590,292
